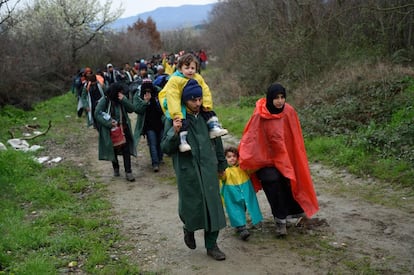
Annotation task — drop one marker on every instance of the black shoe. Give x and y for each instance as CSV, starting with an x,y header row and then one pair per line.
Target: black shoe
x,y
156,168
244,235
80,111
216,253
116,173
129,177
189,239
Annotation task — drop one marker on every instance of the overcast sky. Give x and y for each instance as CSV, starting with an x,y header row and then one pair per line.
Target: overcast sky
x,y
134,7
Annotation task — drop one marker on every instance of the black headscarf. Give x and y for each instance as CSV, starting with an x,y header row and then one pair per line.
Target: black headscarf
x,y
272,92
147,86
113,91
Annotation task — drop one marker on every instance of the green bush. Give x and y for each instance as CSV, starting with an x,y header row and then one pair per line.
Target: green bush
x,y
249,101
376,115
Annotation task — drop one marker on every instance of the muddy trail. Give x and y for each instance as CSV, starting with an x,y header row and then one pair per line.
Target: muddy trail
x,y
351,234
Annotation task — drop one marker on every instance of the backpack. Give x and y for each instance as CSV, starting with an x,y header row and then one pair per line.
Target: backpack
x,y
77,85
133,87
161,80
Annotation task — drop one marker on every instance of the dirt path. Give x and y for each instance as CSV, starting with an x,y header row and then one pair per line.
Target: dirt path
x,y
347,236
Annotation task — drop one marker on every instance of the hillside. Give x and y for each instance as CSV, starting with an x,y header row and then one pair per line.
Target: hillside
x,y
170,18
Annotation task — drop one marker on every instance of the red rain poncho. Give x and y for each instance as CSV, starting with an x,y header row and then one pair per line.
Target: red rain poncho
x,y
276,140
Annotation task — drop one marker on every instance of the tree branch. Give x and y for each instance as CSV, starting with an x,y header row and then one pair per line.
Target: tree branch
x,y
35,136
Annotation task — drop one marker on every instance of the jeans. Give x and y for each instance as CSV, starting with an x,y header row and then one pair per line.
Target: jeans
x,y
154,145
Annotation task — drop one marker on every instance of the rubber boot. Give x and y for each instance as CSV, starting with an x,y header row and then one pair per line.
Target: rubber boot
x,y
184,146
215,129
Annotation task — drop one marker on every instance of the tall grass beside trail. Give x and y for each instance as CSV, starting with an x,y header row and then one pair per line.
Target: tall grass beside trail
x,y
366,126
53,220
234,118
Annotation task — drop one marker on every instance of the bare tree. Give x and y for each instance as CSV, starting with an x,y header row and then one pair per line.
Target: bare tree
x,y
84,20
299,39
42,50
7,9
146,29
187,39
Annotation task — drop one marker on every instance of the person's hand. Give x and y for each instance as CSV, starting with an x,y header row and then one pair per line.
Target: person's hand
x,y
120,96
177,124
147,97
222,175
88,109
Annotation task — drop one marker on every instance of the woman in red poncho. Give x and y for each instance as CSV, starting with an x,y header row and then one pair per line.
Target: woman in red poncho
x,y
272,145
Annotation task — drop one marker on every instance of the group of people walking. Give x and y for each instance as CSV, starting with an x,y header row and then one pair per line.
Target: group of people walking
x,y
178,120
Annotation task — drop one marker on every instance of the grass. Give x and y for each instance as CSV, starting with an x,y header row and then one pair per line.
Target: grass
x,y
53,219
234,118
46,224
337,152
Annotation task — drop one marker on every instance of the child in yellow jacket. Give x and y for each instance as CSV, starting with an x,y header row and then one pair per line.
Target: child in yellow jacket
x,y
169,66
238,195
170,98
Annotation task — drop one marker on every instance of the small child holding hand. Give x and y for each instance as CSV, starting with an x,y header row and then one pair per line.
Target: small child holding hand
x,y
239,195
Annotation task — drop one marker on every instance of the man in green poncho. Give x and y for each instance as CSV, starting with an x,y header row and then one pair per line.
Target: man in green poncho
x,y
199,201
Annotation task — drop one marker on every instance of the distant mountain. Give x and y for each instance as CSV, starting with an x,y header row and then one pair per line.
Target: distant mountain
x,y
169,18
